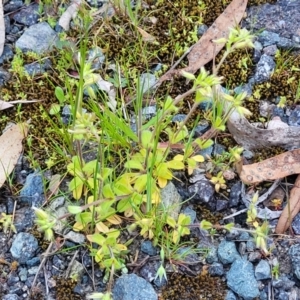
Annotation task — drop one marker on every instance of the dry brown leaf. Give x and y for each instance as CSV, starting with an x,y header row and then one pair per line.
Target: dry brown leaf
x,y
276,167
70,13
5,104
2,29
146,37
10,149
205,50
290,211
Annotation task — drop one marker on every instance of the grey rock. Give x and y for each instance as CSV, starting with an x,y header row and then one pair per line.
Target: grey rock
x,y
132,287
263,270
6,55
7,24
283,296
296,224
96,57
188,211
35,261
171,200
264,69
27,16
244,236
149,111
37,68
235,194
263,295
207,152
149,269
230,296
147,82
270,50
250,245
23,274
95,3
221,205
11,297
257,51
294,118
294,253
33,270
254,256
33,189
178,118
219,149
24,218
203,190
216,269
227,252
38,38
75,237
240,279
268,38
148,248
206,104
212,255
24,247
201,128
4,76
13,5
283,282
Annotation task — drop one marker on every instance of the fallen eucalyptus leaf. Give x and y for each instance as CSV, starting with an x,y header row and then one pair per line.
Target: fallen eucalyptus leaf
x,y
279,166
290,211
10,149
146,37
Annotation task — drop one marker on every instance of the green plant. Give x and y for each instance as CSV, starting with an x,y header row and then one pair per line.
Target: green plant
x,y
275,270
7,223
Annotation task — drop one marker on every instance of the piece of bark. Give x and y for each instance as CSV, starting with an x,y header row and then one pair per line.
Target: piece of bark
x,y
290,211
250,137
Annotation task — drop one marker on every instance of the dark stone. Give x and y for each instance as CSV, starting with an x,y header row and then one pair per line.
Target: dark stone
x,y
33,189
235,194
13,5
6,55
294,118
178,118
227,252
132,287
37,68
148,248
294,253
27,16
216,269
24,247
264,68
246,286
24,218
203,191
221,205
